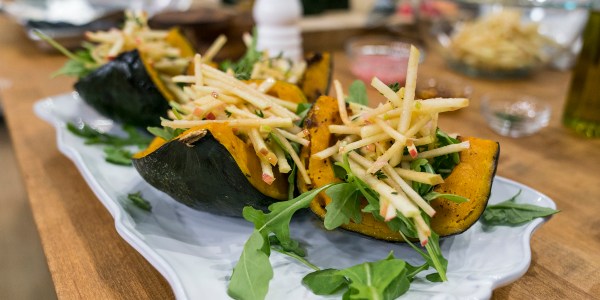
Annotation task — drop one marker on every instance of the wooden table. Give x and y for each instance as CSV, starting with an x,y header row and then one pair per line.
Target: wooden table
x,y
88,259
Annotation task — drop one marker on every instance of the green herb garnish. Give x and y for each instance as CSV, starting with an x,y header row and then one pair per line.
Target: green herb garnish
x,y
508,117
385,279
252,273
115,150
166,133
302,110
118,155
454,198
139,201
511,213
243,67
380,175
394,86
433,255
93,136
259,113
80,63
345,206
357,93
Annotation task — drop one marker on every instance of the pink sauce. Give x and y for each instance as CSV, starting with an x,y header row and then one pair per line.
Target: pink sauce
x,y
387,68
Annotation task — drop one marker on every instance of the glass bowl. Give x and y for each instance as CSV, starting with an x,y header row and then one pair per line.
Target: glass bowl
x,y
379,56
502,39
515,115
437,87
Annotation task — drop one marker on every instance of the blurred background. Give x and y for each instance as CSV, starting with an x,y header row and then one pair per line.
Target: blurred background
x,y
547,35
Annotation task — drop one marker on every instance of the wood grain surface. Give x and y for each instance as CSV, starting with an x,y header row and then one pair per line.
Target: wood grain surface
x,y
88,259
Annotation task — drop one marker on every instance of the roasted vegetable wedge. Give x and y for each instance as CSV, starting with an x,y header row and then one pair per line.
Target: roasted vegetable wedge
x,y
123,91
210,169
130,89
471,178
125,74
234,153
312,75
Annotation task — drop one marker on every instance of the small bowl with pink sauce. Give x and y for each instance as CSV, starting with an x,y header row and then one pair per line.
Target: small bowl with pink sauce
x,y
379,56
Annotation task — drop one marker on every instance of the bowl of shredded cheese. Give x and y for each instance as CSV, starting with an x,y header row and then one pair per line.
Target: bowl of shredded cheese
x,y
494,39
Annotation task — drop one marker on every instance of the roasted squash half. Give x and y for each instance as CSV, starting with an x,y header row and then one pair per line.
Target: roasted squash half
x,y
471,178
211,169
128,89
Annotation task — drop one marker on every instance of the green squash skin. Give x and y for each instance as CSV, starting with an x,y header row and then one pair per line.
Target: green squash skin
x,y
123,91
204,177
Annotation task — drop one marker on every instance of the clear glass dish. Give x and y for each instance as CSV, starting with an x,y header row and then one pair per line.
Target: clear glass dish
x,y
515,115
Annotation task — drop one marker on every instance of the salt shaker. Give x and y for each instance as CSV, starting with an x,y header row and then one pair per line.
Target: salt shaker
x,y
277,24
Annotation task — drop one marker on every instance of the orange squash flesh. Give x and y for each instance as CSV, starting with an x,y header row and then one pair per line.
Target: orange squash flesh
x,y
284,90
176,39
471,178
317,77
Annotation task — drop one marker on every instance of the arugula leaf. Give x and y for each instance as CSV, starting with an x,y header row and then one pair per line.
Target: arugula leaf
x,y
114,150
394,86
80,67
93,136
422,165
302,110
166,133
139,201
406,227
365,190
510,213
292,176
251,276
252,273
325,282
434,277
444,164
403,225
243,67
118,155
454,198
357,93
81,63
435,258
380,175
412,271
275,244
339,172
383,279
372,280
292,180
344,205
277,221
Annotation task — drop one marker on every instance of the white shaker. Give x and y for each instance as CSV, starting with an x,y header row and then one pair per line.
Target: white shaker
x,y
277,25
